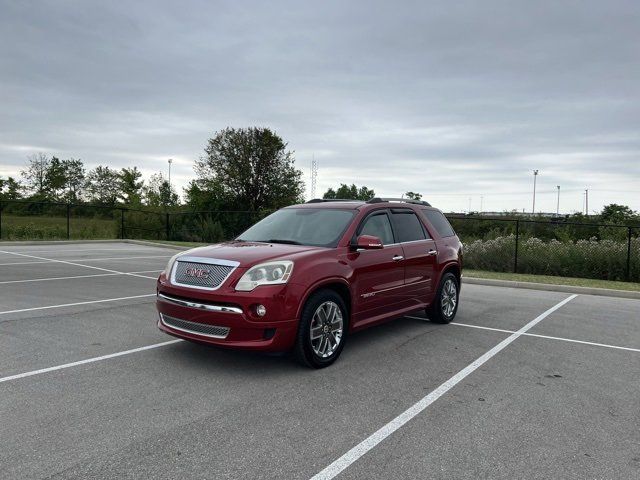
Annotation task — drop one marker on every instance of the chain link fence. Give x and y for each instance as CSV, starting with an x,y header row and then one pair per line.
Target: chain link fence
x,y
550,247
22,220
554,247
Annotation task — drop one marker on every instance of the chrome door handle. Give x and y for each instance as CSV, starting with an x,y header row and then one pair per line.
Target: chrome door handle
x,y
397,258
432,252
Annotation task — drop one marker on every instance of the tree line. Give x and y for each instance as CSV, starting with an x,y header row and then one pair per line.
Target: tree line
x,y
51,179
241,169
245,169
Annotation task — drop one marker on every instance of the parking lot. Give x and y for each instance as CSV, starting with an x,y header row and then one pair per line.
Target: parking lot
x,y
521,386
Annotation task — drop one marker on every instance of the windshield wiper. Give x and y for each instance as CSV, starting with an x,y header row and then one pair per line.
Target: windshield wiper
x,y
277,240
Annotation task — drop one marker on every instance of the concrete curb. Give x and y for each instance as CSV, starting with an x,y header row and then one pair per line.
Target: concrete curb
x,y
156,244
606,292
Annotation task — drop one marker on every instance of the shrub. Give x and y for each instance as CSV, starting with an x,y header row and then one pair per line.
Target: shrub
x,y
591,258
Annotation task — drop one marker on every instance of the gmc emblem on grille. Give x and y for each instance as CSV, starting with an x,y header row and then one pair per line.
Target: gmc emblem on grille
x,y
197,272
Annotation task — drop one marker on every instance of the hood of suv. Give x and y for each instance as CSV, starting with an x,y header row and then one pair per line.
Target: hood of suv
x,y
250,253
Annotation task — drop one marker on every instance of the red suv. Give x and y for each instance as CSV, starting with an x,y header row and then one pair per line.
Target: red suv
x,y
307,276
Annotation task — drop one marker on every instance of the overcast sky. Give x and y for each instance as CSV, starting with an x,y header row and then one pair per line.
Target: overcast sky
x,y
456,100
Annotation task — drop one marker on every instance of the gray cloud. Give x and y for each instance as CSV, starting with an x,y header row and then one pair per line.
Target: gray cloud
x,y
451,99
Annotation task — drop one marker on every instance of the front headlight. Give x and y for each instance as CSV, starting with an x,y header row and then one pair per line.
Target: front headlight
x,y
272,273
172,260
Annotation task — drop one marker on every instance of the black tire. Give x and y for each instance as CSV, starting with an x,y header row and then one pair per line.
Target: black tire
x,y
303,350
439,311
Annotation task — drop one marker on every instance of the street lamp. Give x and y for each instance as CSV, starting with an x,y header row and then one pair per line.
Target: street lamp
x,y
535,176
170,161
558,204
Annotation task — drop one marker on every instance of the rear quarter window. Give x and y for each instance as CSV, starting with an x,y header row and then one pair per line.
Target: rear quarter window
x,y
439,222
408,226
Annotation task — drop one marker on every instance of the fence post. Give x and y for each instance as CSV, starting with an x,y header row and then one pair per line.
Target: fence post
x,y
167,225
68,221
628,273
515,257
122,224
1,220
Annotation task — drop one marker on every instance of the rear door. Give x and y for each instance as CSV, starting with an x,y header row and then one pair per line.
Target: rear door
x,y
420,256
378,274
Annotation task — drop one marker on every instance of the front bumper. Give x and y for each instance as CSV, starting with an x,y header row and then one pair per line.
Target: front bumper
x,y
227,318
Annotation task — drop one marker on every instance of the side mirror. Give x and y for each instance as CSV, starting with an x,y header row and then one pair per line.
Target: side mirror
x,y
368,242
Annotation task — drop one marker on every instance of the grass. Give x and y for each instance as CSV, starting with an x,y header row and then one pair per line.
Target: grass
x,y
553,280
30,227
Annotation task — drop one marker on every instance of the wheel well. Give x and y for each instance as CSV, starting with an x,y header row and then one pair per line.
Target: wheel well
x,y
453,268
341,289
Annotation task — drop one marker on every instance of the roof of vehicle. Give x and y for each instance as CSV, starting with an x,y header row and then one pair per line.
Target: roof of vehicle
x,y
353,204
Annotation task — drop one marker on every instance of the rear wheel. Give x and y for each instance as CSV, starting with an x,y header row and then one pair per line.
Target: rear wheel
x,y
322,330
445,304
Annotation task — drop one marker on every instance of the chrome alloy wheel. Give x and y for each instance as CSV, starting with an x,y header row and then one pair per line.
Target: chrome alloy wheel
x,y
449,298
326,329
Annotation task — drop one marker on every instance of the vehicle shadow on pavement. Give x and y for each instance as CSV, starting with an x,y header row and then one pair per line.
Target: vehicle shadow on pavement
x,y
221,361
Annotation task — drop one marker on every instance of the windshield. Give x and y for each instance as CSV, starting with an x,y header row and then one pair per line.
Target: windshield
x,y
321,227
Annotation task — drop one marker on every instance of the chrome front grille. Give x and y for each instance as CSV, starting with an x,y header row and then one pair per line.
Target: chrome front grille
x,y
201,272
205,329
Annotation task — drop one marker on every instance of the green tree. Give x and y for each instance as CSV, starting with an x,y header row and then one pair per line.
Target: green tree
x,y
10,189
329,194
75,178
55,179
102,185
158,193
130,186
35,175
615,213
351,192
246,169
413,196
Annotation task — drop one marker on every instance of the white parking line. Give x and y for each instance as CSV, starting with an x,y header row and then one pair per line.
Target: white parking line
x,y
374,439
75,249
562,339
67,262
88,360
73,276
88,302
49,260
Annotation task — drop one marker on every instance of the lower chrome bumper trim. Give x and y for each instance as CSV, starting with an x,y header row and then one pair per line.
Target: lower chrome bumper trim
x,y
202,306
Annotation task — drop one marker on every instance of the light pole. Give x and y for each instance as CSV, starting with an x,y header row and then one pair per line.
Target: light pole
x,y
558,204
170,161
586,202
535,176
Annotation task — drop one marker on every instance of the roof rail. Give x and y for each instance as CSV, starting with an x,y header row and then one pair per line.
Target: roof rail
x,y
323,200
405,200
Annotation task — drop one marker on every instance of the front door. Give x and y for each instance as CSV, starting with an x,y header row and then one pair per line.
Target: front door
x,y
378,274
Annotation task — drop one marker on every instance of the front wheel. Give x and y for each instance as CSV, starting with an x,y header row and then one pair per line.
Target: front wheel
x,y
322,330
445,304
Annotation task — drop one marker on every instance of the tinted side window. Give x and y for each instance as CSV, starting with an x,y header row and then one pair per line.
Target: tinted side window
x,y
440,223
379,226
408,227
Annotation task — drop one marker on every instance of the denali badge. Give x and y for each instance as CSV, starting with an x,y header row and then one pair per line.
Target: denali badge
x,y
197,272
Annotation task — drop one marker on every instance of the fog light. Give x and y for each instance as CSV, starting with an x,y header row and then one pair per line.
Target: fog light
x,y
261,310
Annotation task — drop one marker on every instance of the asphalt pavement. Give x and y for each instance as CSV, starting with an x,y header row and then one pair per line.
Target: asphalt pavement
x,y
89,388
